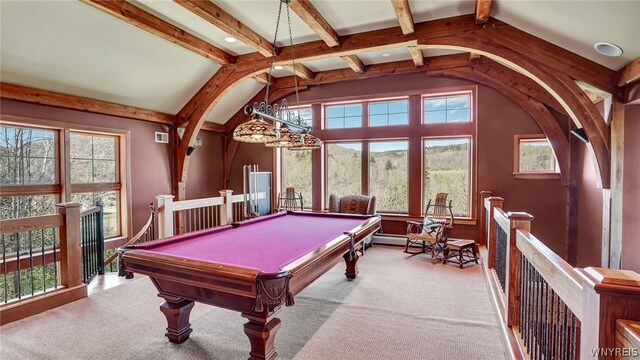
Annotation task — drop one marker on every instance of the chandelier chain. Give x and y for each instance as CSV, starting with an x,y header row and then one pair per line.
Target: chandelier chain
x,y
273,54
293,63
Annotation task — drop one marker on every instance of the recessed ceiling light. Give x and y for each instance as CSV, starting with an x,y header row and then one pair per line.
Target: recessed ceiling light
x,y
608,49
278,67
230,39
386,55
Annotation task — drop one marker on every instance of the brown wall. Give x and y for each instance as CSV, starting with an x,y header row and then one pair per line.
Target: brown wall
x,y
150,161
498,120
589,210
205,167
631,190
249,154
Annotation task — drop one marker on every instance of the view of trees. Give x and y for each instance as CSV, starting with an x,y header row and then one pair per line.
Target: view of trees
x,y
536,156
343,168
296,173
29,157
446,169
388,174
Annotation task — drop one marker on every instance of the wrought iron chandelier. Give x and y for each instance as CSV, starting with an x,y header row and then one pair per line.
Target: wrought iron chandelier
x,y
257,130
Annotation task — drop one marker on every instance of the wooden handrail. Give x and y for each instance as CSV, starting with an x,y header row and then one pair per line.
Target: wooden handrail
x,y
197,203
138,236
90,211
33,223
555,271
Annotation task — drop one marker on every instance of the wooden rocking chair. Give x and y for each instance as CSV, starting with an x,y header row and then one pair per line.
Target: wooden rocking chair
x,y
432,234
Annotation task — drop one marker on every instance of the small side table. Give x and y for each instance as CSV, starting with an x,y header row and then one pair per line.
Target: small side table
x,y
460,252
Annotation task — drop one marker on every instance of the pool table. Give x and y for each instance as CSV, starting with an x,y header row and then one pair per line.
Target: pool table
x,y
253,267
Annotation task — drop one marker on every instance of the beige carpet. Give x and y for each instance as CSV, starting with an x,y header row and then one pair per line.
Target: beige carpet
x,y
400,307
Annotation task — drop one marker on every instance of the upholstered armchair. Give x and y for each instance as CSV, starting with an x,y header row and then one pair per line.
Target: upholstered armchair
x,y
354,204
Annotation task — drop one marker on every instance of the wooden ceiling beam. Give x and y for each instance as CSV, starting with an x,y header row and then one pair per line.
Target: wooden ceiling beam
x,y
50,98
403,13
133,15
312,17
262,78
227,23
483,9
628,74
354,62
416,55
301,71
434,34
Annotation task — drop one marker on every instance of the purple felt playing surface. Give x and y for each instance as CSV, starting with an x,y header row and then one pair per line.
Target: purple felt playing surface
x,y
267,244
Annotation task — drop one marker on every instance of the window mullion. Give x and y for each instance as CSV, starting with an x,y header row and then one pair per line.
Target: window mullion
x,y
65,165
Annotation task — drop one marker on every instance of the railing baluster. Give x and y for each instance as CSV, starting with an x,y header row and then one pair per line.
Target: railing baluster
x,y
55,258
44,277
4,274
31,261
19,289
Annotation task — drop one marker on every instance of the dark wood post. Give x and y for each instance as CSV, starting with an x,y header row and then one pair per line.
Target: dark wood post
x,y
518,221
100,236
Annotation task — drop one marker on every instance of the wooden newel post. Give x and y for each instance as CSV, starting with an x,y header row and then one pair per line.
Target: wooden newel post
x,y
164,208
607,295
70,250
517,221
492,202
483,217
226,213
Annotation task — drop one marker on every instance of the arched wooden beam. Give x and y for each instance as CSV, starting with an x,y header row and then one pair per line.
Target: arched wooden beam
x,y
538,112
194,114
459,33
578,106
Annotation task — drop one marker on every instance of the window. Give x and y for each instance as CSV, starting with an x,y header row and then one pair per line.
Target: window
x,y
447,169
343,116
534,157
387,113
296,173
28,172
447,109
94,166
343,168
30,168
388,174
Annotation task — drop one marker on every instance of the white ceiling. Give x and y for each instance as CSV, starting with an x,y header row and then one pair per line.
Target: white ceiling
x,y
233,101
70,47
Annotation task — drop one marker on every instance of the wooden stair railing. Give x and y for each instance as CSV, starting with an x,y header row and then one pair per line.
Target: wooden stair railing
x,y
58,254
548,308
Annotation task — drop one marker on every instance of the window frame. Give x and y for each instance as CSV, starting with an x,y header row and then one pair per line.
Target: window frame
x,y
370,102
368,175
413,131
363,111
64,188
517,174
472,174
447,94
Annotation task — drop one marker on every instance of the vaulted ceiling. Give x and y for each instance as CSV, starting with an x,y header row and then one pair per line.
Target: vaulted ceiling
x,y
79,48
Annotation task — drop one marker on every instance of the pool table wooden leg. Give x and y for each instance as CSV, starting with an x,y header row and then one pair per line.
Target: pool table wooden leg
x,y
177,312
352,265
262,334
